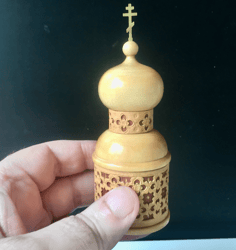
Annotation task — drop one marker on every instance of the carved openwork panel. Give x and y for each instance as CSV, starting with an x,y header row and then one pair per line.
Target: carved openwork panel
x,y
130,122
151,188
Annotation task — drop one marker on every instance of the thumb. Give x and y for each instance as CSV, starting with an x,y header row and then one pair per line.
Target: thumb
x,y
100,226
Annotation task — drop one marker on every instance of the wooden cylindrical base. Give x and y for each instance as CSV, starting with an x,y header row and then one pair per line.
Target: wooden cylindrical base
x,y
151,229
151,188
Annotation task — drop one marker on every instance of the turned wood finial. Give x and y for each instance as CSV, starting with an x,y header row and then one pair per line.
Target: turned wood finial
x,y
130,48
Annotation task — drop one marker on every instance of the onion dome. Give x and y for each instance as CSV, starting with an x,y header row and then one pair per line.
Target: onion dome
x,y
130,86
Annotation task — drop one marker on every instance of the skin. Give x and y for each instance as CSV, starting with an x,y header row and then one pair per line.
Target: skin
x,y
43,184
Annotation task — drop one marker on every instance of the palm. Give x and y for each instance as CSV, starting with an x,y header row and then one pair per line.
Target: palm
x,y
44,183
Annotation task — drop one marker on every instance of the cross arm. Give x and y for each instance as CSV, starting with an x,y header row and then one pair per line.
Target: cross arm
x,y
130,14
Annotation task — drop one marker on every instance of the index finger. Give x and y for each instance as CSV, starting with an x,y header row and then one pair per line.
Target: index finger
x,y
44,162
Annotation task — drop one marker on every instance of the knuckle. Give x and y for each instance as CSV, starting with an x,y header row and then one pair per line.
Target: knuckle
x,y
95,232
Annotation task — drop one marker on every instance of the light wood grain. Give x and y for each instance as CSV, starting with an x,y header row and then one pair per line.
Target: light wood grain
x,y
131,153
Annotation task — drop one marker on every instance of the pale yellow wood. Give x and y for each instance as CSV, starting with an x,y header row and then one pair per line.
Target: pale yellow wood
x,y
129,15
130,122
133,166
151,188
131,153
130,48
130,86
151,229
119,148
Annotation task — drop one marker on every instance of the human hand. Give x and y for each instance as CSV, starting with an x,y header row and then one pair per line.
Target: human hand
x,y
44,183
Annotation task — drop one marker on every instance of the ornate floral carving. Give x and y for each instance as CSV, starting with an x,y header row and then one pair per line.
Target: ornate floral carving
x,y
148,198
153,196
130,122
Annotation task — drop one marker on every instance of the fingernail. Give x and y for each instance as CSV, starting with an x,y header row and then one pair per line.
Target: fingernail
x,y
121,201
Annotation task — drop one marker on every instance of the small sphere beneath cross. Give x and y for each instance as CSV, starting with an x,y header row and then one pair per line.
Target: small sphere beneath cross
x,y
130,48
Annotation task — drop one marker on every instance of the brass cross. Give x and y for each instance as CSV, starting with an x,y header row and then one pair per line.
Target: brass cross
x,y
131,24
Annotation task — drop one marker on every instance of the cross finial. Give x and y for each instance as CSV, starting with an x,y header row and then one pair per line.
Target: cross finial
x,y
131,24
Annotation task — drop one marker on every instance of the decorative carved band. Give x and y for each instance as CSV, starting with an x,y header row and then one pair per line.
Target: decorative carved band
x,y
130,122
150,186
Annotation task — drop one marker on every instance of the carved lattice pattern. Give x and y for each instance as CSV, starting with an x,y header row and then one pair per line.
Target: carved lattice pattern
x,y
130,122
151,187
